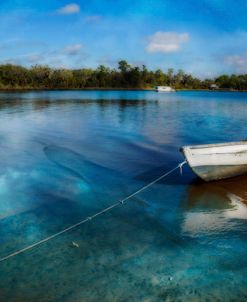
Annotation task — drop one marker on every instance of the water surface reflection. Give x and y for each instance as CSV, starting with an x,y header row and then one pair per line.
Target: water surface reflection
x,y
215,207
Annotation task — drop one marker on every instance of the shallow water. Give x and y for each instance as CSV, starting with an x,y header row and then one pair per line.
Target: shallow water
x,y
65,155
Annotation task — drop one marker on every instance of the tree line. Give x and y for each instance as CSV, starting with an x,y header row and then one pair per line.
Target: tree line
x,y
125,76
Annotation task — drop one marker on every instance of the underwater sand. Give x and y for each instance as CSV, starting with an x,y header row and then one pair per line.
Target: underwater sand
x,y
65,155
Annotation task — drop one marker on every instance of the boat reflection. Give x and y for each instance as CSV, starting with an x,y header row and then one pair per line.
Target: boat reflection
x,y
215,207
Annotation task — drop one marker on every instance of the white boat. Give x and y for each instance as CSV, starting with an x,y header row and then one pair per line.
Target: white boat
x,y
217,161
164,89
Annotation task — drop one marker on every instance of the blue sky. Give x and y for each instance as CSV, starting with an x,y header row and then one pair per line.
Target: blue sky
x,y
203,37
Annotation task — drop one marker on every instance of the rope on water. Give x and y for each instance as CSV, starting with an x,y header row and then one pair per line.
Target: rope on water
x,y
118,203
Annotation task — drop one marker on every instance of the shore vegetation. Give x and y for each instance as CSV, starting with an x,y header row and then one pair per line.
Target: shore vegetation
x,y
125,76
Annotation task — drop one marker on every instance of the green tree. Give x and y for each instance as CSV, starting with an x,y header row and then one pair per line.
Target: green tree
x,y
125,76
124,66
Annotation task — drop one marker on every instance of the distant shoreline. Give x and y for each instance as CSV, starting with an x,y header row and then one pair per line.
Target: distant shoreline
x,y
107,89
74,89
124,77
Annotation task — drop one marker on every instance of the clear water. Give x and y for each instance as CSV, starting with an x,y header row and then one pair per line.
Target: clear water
x,y
65,155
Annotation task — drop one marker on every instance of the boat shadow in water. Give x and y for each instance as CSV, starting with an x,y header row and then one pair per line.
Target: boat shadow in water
x,y
215,207
204,192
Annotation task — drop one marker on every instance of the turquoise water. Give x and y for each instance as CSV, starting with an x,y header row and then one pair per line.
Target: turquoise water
x,y
65,155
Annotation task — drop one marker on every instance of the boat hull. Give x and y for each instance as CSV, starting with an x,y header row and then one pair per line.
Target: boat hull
x,y
209,173
165,89
217,161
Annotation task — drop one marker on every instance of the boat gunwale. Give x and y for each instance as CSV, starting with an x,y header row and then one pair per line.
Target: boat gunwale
x,y
243,142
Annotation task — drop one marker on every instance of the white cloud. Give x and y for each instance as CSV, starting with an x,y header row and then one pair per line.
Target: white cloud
x,y
70,56
238,62
11,61
69,9
34,58
73,49
166,42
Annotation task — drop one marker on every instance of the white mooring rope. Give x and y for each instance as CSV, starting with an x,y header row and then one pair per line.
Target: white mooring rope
x,y
121,202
